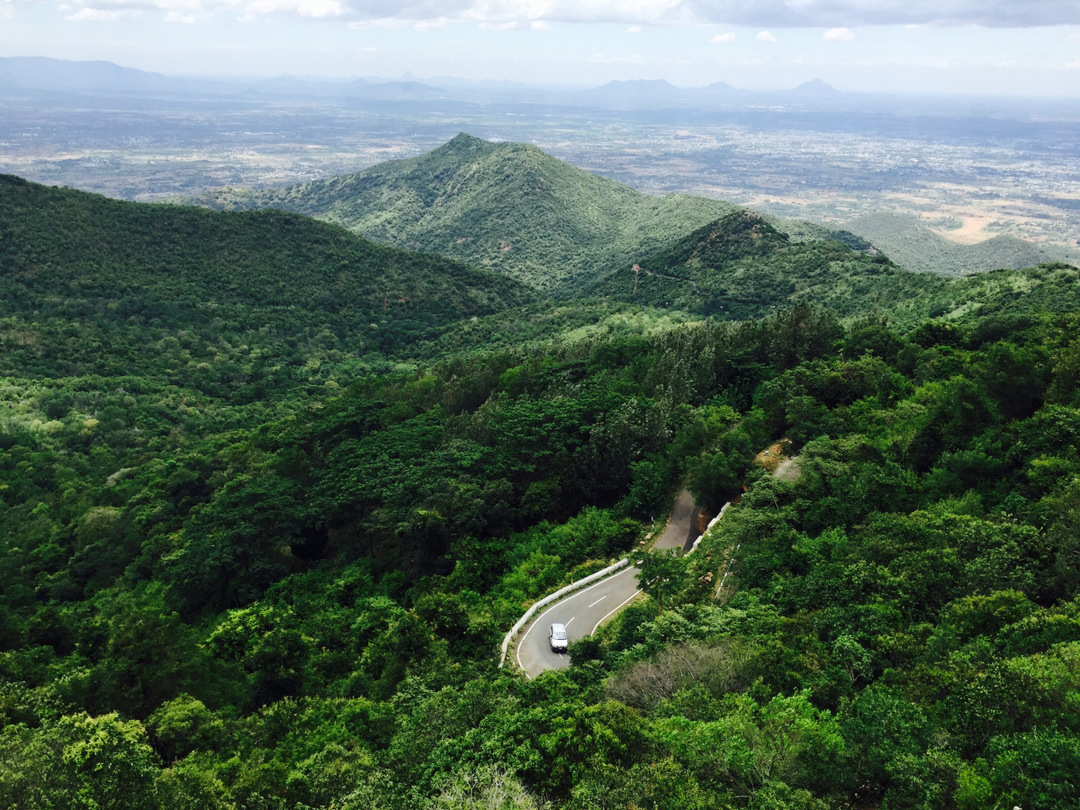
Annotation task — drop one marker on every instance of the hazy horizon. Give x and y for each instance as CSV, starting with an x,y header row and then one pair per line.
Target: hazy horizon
x,y
970,48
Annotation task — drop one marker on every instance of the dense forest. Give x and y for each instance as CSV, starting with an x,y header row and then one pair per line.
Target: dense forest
x,y
251,557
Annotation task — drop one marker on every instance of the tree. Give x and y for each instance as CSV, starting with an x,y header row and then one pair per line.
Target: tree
x,y
78,761
661,573
714,479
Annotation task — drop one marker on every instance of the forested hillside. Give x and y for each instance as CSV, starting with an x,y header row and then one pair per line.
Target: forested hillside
x,y
250,558
916,247
93,285
741,266
506,207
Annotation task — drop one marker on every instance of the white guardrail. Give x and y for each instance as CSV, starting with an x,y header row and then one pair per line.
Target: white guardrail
x,y
552,597
559,594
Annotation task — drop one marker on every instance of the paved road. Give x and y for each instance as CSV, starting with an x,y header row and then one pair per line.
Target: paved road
x,y
682,528
583,611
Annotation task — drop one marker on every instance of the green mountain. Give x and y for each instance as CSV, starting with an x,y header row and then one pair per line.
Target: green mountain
x,y
918,248
506,207
90,283
742,267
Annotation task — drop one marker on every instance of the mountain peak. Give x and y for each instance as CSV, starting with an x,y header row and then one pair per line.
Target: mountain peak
x,y
816,87
639,84
464,143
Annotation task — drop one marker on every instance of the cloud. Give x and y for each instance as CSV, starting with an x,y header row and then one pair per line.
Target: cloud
x,y
723,39
634,29
838,35
319,8
831,14
102,15
766,36
187,19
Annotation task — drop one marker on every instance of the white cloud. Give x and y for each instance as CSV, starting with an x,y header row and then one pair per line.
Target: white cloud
x,y
539,25
433,24
834,13
766,36
319,8
187,19
723,39
838,35
634,29
102,15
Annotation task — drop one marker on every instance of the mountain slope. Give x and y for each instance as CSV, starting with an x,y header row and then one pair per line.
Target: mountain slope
x,y
742,267
41,73
506,207
109,270
916,247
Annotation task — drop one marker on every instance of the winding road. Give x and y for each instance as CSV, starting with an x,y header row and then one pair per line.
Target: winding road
x,y
583,611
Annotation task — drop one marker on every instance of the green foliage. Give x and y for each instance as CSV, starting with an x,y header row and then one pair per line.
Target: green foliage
x,y
78,761
918,248
231,302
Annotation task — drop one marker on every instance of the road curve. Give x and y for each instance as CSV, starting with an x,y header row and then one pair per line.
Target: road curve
x,y
682,528
584,610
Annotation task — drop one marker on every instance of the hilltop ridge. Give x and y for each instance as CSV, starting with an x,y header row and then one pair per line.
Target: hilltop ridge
x,y
505,207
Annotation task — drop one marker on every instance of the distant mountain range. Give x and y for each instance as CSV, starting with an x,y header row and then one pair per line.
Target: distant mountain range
x,y
40,74
86,278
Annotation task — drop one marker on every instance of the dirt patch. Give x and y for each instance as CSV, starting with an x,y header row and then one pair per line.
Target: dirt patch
x,y
772,456
971,232
776,460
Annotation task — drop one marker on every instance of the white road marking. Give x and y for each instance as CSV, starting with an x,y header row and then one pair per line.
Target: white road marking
x,y
631,596
598,601
567,622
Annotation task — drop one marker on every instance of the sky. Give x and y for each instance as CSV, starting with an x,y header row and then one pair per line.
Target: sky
x,y
984,47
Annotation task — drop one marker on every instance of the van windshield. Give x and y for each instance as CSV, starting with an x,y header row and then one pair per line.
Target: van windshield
x,y
558,634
